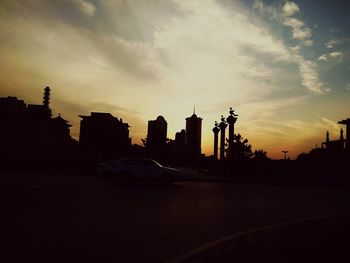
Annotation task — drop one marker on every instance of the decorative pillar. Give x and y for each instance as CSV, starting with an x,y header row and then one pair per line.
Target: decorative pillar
x,y
342,138
216,131
222,127
231,120
347,132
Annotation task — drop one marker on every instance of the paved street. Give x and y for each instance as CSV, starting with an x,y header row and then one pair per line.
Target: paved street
x,y
73,218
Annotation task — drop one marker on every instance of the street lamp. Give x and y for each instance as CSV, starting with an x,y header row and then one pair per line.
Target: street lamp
x,y
285,154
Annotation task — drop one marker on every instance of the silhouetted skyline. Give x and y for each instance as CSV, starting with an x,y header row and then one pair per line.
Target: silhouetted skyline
x,y
281,64
31,130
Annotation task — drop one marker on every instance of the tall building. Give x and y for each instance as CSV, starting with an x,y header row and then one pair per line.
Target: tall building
x,y
193,135
103,136
157,134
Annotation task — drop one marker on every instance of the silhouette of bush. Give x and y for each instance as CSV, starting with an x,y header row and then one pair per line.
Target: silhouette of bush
x,y
260,155
241,149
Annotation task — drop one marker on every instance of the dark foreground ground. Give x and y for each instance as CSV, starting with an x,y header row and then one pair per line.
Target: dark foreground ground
x,y
322,239
67,218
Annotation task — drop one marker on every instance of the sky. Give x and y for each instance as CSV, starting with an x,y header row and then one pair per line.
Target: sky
x,y
284,66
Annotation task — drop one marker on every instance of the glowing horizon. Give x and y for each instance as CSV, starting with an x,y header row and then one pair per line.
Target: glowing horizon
x,y
280,64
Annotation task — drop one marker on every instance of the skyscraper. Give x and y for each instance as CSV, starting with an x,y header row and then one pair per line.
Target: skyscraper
x,y
193,135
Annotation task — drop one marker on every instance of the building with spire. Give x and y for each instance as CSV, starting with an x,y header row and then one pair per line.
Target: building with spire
x,y
29,131
193,135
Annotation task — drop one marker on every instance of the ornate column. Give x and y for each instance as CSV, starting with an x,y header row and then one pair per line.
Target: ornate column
x,y
216,131
231,120
342,138
347,133
222,127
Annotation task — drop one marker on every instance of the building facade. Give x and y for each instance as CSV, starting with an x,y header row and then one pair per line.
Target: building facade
x,y
103,136
157,134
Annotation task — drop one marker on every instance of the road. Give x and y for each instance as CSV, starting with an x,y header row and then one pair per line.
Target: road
x,y
56,218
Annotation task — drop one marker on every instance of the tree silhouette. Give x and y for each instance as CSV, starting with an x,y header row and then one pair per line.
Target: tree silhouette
x,y
241,149
302,157
260,155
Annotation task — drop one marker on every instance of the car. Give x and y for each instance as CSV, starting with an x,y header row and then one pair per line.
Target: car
x,y
138,169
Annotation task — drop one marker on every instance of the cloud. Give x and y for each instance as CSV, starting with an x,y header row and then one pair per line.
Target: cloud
x,y
87,7
308,71
308,43
309,76
269,11
338,56
323,57
331,125
258,5
332,43
335,55
299,31
295,49
130,20
290,8
293,22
